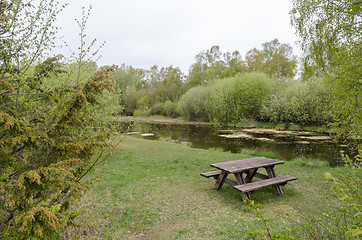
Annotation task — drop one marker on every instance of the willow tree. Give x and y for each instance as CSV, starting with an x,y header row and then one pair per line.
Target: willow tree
x,y
49,138
331,33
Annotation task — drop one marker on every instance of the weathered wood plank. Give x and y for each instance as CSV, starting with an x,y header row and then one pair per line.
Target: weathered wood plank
x,y
250,174
246,164
271,174
220,180
210,174
248,187
230,182
261,176
240,180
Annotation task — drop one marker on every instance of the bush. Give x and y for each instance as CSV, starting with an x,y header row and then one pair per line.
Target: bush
x,y
349,187
192,104
52,135
170,109
237,98
143,107
130,100
158,109
299,102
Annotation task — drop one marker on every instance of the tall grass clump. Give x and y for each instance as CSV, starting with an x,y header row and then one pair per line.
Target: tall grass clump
x,y
192,104
236,98
298,102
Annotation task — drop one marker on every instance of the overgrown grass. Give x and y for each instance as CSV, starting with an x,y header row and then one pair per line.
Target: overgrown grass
x,y
153,190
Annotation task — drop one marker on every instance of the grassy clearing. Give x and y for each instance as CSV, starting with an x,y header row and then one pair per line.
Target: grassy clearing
x,y
153,190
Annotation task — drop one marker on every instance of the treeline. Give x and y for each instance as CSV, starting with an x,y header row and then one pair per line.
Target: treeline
x,y
225,88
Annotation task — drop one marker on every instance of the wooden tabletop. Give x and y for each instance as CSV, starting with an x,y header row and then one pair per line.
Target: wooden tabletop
x,y
246,164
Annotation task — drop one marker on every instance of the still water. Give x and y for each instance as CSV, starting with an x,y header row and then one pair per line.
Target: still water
x,y
286,145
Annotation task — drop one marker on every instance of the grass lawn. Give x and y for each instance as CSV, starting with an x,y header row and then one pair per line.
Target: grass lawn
x,y
153,190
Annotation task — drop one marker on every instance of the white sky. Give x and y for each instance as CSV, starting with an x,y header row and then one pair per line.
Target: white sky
x,y
143,33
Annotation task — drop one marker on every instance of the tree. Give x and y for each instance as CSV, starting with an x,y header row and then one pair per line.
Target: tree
x,y
275,59
213,64
279,59
331,33
172,82
128,77
50,134
255,60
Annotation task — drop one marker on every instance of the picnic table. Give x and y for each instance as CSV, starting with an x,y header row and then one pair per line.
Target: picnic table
x,y
249,167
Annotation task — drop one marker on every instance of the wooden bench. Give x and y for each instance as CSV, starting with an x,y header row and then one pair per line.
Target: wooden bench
x,y
214,174
249,187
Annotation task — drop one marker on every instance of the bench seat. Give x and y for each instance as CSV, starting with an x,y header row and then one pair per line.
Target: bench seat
x,y
249,187
211,174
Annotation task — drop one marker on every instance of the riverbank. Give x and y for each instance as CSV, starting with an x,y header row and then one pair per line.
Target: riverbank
x,y
244,124
153,190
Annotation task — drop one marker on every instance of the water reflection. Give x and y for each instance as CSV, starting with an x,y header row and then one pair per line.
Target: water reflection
x,y
285,144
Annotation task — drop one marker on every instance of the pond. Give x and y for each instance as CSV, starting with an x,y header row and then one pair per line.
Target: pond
x,y
286,145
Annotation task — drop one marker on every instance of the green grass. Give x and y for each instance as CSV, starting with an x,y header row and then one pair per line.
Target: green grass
x,y
153,190
254,152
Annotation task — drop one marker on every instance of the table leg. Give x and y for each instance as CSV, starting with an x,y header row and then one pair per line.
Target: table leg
x,y
271,174
240,180
250,175
220,179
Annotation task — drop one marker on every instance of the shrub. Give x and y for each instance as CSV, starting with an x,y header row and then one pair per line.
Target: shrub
x,y
130,100
51,134
237,98
350,191
158,109
192,104
143,107
299,102
170,109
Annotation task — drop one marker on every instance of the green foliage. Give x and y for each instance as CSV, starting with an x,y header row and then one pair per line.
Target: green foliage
x,y
130,99
172,82
143,107
158,109
350,190
299,102
275,59
213,64
51,135
159,84
331,33
192,104
227,100
267,233
143,103
170,109
233,99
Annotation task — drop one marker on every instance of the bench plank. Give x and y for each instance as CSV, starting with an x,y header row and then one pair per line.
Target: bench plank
x,y
210,174
264,183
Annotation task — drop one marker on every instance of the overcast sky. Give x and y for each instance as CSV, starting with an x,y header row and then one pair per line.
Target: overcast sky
x,y
143,33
